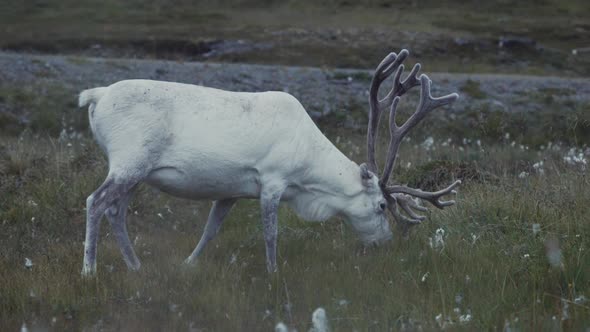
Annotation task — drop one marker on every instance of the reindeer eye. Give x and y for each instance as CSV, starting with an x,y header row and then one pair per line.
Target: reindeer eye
x,y
382,206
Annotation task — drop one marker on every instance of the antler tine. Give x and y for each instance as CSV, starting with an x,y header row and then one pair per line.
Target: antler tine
x,y
401,57
432,197
399,88
426,105
407,203
387,66
393,209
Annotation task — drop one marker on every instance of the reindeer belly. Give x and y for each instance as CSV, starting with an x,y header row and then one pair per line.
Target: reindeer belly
x,y
206,183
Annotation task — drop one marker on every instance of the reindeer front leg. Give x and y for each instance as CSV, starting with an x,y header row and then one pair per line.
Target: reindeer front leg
x,y
269,203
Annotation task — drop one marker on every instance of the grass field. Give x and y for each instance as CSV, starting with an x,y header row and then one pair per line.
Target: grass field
x,y
515,249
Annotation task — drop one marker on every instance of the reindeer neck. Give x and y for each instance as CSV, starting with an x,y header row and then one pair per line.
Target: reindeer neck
x,y
330,183
340,176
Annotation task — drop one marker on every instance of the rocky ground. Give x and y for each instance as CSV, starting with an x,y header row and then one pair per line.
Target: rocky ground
x,y
321,91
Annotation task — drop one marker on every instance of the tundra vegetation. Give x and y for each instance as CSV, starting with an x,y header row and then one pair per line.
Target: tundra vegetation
x,y
512,253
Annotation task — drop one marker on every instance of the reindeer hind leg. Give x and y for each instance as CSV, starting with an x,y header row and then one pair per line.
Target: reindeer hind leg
x,y
113,189
116,214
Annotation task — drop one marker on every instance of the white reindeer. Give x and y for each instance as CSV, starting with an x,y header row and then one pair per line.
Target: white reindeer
x,y
203,143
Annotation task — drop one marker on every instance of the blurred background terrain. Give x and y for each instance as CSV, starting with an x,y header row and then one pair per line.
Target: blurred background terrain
x,y
513,253
458,36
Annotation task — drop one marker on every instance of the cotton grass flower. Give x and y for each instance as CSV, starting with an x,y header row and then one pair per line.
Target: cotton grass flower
x,y
464,319
538,167
343,303
428,143
281,327
439,319
267,314
536,229
576,158
565,309
28,263
553,252
438,241
319,321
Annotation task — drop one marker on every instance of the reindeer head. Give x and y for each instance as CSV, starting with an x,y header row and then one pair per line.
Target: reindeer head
x,y
380,197
367,211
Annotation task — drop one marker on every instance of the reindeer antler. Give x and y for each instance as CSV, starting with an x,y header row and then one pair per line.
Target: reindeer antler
x,y
399,195
390,64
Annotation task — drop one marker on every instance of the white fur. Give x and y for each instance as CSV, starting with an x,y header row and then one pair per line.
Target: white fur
x,y
203,143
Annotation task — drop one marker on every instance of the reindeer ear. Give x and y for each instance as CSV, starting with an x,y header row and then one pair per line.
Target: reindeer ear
x,y
365,173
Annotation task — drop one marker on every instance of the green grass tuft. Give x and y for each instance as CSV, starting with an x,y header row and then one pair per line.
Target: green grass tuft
x,y
473,89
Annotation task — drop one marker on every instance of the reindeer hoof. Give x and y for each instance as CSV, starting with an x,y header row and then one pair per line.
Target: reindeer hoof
x,y
88,272
134,266
190,262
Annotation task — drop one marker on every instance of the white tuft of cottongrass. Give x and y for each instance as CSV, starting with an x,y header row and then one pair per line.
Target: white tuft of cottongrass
x,y
464,319
538,167
439,319
438,241
474,238
428,143
28,263
576,157
281,327
553,252
319,321
564,309
536,229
